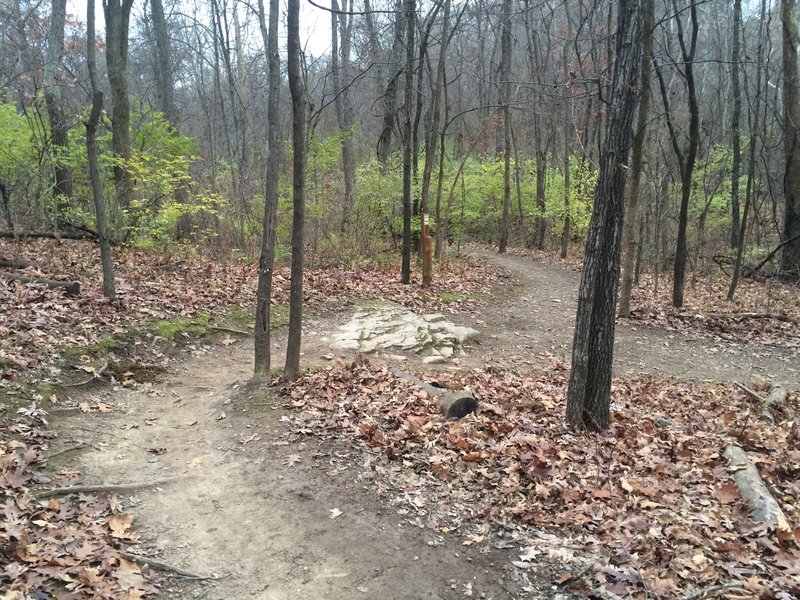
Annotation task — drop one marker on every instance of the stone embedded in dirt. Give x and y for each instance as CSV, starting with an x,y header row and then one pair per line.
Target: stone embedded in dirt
x,y
387,325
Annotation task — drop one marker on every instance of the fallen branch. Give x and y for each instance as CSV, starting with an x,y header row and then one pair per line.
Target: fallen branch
x,y
73,288
16,263
143,561
753,490
769,256
753,315
96,375
65,450
454,405
98,489
777,396
229,330
713,590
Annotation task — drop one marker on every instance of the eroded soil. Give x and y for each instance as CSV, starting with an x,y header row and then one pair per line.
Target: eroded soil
x,y
279,516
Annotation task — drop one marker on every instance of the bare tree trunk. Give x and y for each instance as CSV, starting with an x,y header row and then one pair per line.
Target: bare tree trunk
x,y
629,242
735,119
506,101
589,392
687,54
117,14
93,155
262,340
790,255
298,93
433,138
342,103
410,10
59,128
565,234
384,148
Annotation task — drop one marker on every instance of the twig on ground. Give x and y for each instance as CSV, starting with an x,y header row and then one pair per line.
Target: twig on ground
x,y
96,375
162,566
712,590
229,330
65,450
746,389
95,489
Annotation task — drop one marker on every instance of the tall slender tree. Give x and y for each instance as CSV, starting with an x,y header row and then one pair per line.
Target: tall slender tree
x,y
790,254
505,59
93,155
299,148
117,14
589,392
634,202
266,261
409,18
59,127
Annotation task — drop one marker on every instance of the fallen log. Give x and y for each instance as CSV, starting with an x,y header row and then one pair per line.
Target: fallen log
x,y
454,405
15,263
73,288
752,315
52,235
763,505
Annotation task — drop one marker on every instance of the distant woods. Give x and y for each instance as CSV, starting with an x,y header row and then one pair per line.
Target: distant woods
x,y
489,116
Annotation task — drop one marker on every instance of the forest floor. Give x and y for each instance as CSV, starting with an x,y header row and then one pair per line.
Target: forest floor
x,y
258,490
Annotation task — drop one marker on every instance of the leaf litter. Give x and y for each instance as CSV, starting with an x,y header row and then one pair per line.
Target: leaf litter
x,y
647,509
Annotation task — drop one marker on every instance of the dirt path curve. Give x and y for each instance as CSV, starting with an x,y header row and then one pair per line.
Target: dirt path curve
x,y
537,325
277,519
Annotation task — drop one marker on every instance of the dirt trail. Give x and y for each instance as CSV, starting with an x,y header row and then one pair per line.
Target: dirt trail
x,y
537,325
256,508
242,511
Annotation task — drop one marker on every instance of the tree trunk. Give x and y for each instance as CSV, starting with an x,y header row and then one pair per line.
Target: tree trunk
x,y
506,100
410,14
432,141
342,103
735,120
567,117
384,149
790,255
117,15
262,340
298,92
681,249
589,392
59,127
629,242
751,166
93,155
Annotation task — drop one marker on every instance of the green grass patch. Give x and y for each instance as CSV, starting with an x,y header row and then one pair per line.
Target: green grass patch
x,y
195,326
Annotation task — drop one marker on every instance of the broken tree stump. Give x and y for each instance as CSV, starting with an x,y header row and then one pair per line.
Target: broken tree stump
x,y
73,288
454,405
753,490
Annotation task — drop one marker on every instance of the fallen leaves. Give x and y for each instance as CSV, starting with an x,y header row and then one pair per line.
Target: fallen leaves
x,y
650,502
65,547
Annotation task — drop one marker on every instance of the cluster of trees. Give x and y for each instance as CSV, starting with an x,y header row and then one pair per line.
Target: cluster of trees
x,y
496,117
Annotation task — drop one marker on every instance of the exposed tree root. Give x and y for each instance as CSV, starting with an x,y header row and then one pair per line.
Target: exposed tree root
x,y
96,489
162,566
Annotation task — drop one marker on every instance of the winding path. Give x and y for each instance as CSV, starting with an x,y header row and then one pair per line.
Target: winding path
x,y
537,325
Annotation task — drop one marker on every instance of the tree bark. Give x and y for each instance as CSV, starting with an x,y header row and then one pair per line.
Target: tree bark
x,y
506,101
629,241
93,155
681,249
589,392
790,256
735,121
117,15
298,93
262,340
384,149
432,144
341,28
410,10
59,127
